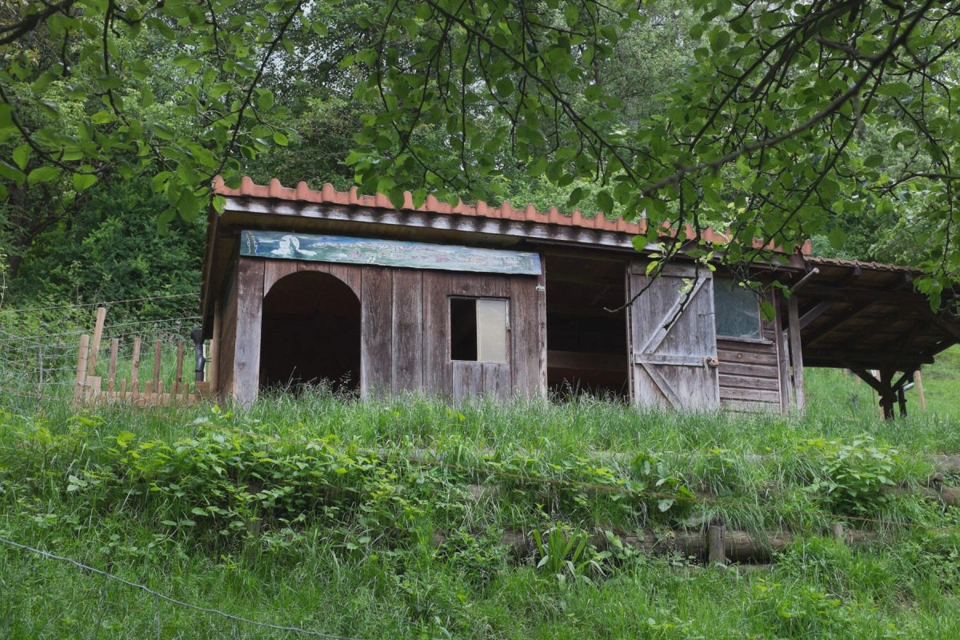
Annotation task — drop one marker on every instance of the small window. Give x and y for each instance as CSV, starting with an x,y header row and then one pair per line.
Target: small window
x,y
737,311
478,329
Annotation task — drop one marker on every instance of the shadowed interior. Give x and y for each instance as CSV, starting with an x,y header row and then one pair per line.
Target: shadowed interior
x,y
310,333
587,345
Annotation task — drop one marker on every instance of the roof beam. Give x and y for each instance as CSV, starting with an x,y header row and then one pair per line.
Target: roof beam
x,y
840,292
863,306
819,309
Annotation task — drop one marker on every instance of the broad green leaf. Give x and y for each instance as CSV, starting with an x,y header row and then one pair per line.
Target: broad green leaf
x,y
21,155
83,181
42,174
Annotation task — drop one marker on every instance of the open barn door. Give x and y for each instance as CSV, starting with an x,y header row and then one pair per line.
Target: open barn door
x,y
672,338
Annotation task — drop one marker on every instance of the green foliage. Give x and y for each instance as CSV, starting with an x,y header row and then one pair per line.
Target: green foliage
x,y
409,539
854,478
564,553
109,250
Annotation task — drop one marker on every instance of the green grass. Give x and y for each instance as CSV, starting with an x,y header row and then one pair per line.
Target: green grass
x,y
385,518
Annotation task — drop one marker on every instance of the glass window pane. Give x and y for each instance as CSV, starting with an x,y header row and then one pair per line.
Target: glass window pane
x,y
491,330
737,311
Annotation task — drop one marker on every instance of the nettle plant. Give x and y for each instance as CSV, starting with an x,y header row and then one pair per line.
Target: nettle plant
x,y
853,478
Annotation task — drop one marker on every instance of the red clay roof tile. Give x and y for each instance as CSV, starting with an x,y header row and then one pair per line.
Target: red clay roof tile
x,y
302,193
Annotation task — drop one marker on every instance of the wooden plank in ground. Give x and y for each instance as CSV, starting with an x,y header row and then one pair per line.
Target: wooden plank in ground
x,y
95,345
112,371
135,370
178,374
81,369
157,357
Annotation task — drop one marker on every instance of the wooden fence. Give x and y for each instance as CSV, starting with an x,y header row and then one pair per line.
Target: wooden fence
x,y
90,388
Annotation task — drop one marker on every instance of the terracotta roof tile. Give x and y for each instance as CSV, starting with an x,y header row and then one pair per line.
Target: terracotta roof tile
x,y
302,193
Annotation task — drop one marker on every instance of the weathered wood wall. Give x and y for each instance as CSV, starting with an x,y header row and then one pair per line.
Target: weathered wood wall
x,y
750,372
405,325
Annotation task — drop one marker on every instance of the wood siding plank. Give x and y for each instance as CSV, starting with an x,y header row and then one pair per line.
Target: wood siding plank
x,y
437,368
407,330
376,342
275,270
246,365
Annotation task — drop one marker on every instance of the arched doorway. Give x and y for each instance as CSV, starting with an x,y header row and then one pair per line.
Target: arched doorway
x,y
310,333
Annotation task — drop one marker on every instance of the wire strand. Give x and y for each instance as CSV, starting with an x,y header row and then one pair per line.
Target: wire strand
x,y
180,603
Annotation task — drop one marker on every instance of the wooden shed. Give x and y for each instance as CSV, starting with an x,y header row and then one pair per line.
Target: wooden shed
x,y
303,285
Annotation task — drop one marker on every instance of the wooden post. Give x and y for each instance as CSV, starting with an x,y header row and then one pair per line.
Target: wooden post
x,y
157,355
81,369
112,371
178,375
796,352
918,382
716,554
135,370
213,373
97,336
887,394
837,530
246,364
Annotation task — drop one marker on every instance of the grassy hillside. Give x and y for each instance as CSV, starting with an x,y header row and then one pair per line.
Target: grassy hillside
x,y
414,519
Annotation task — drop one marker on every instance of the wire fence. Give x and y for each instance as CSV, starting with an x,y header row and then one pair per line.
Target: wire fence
x,y
157,597
39,345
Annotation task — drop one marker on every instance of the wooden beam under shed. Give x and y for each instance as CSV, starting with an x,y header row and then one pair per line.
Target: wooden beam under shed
x,y
818,310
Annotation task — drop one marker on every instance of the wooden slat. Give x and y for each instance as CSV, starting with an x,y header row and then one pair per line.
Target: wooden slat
x,y
349,275
157,360
112,369
740,357
228,334
745,346
748,382
796,352
764,371
407,330
82,355
178,374
135,368
274,270
467,379
753,395
249,318
437,368
496,380
376,347
95,345
745,406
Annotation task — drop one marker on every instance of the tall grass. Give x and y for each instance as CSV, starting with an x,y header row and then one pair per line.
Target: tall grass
x,y
386,518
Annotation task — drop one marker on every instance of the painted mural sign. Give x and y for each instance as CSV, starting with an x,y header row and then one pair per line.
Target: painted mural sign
x,y
386,253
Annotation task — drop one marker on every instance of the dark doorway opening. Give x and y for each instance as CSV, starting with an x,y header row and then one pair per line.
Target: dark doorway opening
x,y
586,344
310,334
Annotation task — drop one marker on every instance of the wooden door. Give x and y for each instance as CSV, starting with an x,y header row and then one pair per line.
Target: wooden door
x,y
672,339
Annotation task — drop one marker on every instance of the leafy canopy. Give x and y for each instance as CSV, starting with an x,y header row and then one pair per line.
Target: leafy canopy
x,y
783,118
